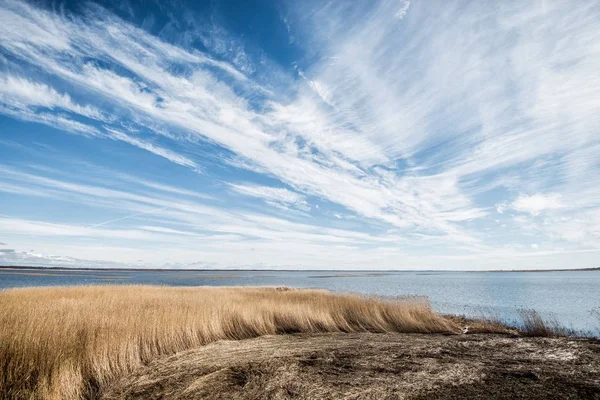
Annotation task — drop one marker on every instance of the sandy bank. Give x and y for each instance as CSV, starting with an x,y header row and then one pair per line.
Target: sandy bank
x,y
373,366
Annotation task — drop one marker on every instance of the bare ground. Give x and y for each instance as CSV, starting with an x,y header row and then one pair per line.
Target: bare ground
x,y
373,366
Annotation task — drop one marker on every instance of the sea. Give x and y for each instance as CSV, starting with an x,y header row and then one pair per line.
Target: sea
x,y
570,298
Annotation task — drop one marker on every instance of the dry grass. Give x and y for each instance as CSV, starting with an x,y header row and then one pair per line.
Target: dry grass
x,y
530,324
596,315
485,325
534,325
73,342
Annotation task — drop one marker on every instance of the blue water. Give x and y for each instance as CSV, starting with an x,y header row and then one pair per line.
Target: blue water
x,y
570,297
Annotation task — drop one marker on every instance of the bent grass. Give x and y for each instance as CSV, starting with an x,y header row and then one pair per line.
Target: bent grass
x,y
73,342
535,325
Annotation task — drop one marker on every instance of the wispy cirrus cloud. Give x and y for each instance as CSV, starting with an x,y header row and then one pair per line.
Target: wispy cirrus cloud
x,y
152,148
277,197
19,93
430,125
219,115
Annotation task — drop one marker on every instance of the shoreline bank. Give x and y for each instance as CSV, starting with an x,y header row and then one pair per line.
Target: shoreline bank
x,y
373,366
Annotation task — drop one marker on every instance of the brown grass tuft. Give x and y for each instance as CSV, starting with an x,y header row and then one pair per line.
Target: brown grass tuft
x,y
72,342
596,314
535,325
483,325
530,324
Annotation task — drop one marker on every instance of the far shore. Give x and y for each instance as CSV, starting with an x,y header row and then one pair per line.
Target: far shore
x,y
338,272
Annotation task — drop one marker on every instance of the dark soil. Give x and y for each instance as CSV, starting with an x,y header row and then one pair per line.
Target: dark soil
x,y
374,366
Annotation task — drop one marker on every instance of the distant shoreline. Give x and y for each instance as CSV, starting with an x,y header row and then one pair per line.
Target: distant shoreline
x,y
24,267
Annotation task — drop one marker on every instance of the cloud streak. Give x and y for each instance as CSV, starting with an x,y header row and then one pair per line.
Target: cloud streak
x,y
277,197
449,131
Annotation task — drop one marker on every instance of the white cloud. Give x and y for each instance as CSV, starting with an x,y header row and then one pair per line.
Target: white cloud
x,y
582,228
401,13
277,197
500,208
11,257
537,203
54,120
168,209
152,148
19,93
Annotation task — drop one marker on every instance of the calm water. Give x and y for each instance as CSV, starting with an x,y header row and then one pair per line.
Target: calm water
x,y
570,297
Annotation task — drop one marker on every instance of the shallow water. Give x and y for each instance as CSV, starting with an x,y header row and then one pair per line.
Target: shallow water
x,y
568,296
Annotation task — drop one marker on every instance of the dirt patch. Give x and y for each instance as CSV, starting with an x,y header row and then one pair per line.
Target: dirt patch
x,y
373,366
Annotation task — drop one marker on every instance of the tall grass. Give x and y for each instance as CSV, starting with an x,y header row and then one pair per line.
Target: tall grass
x,y
72,342
596,314
533,324
529,324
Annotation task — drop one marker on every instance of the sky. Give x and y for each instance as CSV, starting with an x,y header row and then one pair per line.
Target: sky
x,y
415,134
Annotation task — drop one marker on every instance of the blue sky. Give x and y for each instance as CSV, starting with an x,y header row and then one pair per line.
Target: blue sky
x,y
259,134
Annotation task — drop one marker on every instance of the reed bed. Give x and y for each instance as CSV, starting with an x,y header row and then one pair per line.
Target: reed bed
x,y
73,342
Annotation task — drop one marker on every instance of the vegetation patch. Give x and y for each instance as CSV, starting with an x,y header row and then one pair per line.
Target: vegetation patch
x,y
73,342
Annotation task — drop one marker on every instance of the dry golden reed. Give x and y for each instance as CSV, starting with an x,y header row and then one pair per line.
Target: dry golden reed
x,y
72,342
